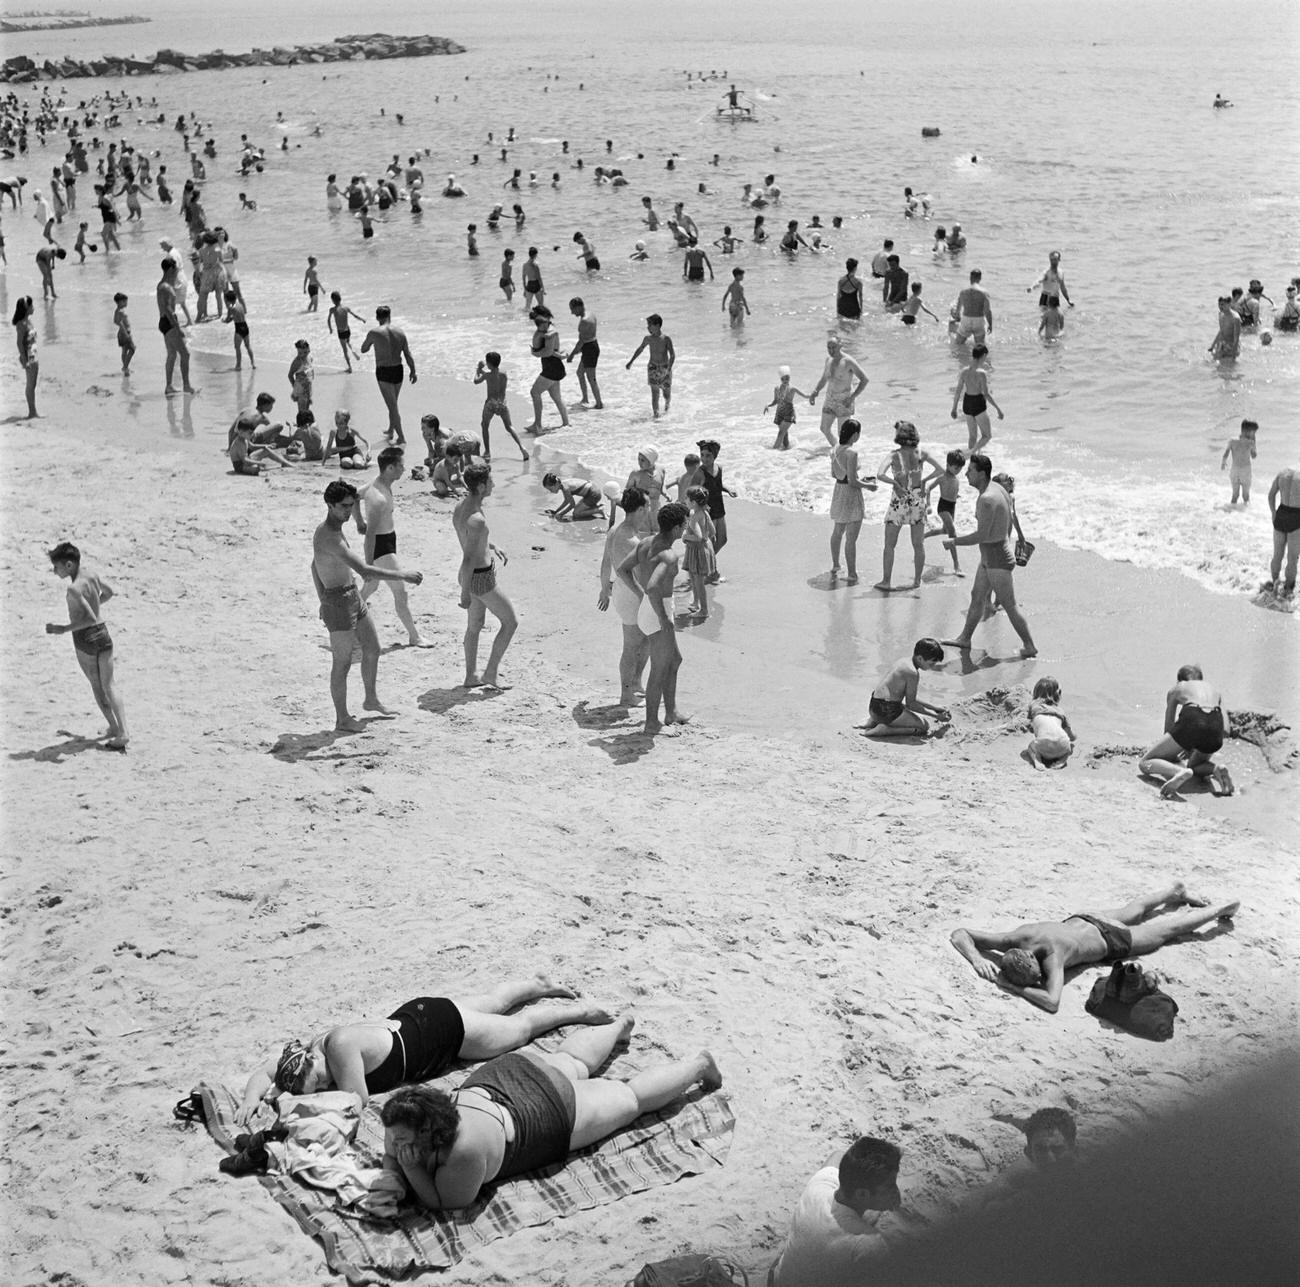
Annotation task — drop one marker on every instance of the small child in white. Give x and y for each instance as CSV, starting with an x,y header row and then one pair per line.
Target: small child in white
x,y
783,397
949,485
1242,451
698,562
895,710
1053,739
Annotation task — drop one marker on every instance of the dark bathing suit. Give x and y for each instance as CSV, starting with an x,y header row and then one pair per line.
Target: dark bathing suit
x,y
341,607
385,543
848,303
91,640
553,367
1049,301
590,354
1287,519
424,1046
1118,938
541,1104
885,709
389,374
973,404
713,485
1196,729
947,506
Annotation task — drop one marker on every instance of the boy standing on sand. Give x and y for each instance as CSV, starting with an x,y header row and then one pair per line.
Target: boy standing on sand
x,y
337,321
659,365
1242,451
381,536
341,608
125,341
895,710
494,380
478,581
90,637
973,393
311,285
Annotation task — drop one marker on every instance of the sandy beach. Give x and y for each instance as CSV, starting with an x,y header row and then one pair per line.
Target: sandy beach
x,y
763,882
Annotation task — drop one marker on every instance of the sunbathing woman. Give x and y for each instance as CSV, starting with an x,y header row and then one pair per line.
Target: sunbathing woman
x,y
419,1040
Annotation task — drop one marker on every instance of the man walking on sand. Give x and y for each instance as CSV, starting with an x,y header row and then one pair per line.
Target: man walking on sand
x,y
391,349
1036,956
341,608
997,561
650,572
478,581
170,328
381,536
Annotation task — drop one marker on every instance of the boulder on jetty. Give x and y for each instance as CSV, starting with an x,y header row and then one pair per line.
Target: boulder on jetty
x,y
170,61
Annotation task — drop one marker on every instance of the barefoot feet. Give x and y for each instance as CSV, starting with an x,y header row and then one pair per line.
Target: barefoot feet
x,y
1173,788
710,1073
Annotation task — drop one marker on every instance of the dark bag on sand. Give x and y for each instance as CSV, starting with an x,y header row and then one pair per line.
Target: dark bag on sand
x,y
690,1271
1024,552
1130,999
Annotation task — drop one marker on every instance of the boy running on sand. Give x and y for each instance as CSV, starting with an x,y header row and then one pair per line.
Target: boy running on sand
x,y
90,637
973,393
311,285
238,317
783,397
1242,451
733,298
494,404
125,341
337,322
659,364
949,485
895,710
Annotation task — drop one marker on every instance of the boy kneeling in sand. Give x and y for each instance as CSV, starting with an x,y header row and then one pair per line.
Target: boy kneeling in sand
x,y
895,710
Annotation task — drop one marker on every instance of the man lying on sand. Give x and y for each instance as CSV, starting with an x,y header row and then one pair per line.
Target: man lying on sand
x,y
419,1040
1035,957
522,1112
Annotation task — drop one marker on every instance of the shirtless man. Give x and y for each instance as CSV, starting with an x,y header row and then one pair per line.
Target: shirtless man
x,y
1195,725
478,581
974,395
1036,956
391,349
170,328
659,364
381,536
974,311
837,376
364,1059
695,262
997,562
254,419
1051,285
90,638
650,572
621,541
341,608
522,1112
1284,506
1227,343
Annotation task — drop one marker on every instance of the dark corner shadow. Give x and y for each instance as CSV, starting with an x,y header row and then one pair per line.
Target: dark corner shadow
x,y
54,753
625,748
826,581
293,748
587,716
438,701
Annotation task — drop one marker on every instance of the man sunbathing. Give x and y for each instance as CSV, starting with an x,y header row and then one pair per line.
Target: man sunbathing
x,y
419,1040
522,1112
1035,957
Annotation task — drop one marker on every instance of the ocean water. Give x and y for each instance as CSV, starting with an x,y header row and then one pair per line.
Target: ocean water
x,y
1094,134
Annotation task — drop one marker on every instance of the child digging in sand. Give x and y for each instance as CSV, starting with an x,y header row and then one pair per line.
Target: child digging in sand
x,y
1053,739
895,710
698,562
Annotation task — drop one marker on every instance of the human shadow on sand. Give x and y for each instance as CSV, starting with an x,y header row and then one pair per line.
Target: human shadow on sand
x,y
293,748
438,701
586,715
55,752
625,748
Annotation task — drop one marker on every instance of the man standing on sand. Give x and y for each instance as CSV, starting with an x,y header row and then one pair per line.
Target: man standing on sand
x,y
1036,956
478,581
390,348
381,536
341,609
837,378
974,311
997,561
1284,506
1195,726
650,572
170,328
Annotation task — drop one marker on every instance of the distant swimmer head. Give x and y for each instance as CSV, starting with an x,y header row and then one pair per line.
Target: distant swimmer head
x,y
1020,967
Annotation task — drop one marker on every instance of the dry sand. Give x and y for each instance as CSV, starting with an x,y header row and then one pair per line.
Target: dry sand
x,y
765,882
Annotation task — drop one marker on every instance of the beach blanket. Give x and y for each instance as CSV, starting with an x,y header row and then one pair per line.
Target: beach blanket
x,y
658,1148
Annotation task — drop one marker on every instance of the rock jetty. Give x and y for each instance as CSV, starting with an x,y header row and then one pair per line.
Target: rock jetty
x,y
62,20
169,61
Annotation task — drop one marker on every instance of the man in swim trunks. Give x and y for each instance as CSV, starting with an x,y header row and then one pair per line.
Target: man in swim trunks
x,y
659,364
1051,285
381,537
523,1112
997,561
1284,506
170,328
695,262
478,580
974,311
418,1041
974,395
1227,343
390,348
880,260
837,378
1035,957
1195,726
341,609
621,541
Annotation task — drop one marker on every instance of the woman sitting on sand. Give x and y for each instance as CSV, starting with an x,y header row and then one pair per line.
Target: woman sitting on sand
x,y
904,470
523,1112
546,345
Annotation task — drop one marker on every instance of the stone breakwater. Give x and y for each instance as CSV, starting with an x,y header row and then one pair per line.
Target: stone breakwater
x,y
170,61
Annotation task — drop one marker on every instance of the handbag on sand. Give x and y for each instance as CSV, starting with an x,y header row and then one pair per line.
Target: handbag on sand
x,y
1024,551
690,1271
1132,1000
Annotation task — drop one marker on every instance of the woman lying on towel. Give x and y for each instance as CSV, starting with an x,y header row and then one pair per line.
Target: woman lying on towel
x,y
418,1041
522,1112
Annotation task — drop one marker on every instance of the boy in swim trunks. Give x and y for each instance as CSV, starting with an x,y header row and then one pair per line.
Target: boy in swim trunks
x,y
659,365
478,581
1242,451
125,341
337,321
311,285
507,278
973,393
895,710
90,638
238,318
494,404
733,298
913,306
1195,727
949,485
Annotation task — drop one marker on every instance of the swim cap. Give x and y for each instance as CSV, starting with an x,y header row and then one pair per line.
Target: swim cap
x,y
651,454
291,1071
783,371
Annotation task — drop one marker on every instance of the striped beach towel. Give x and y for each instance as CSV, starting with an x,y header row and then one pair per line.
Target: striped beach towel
x,y
687,1138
